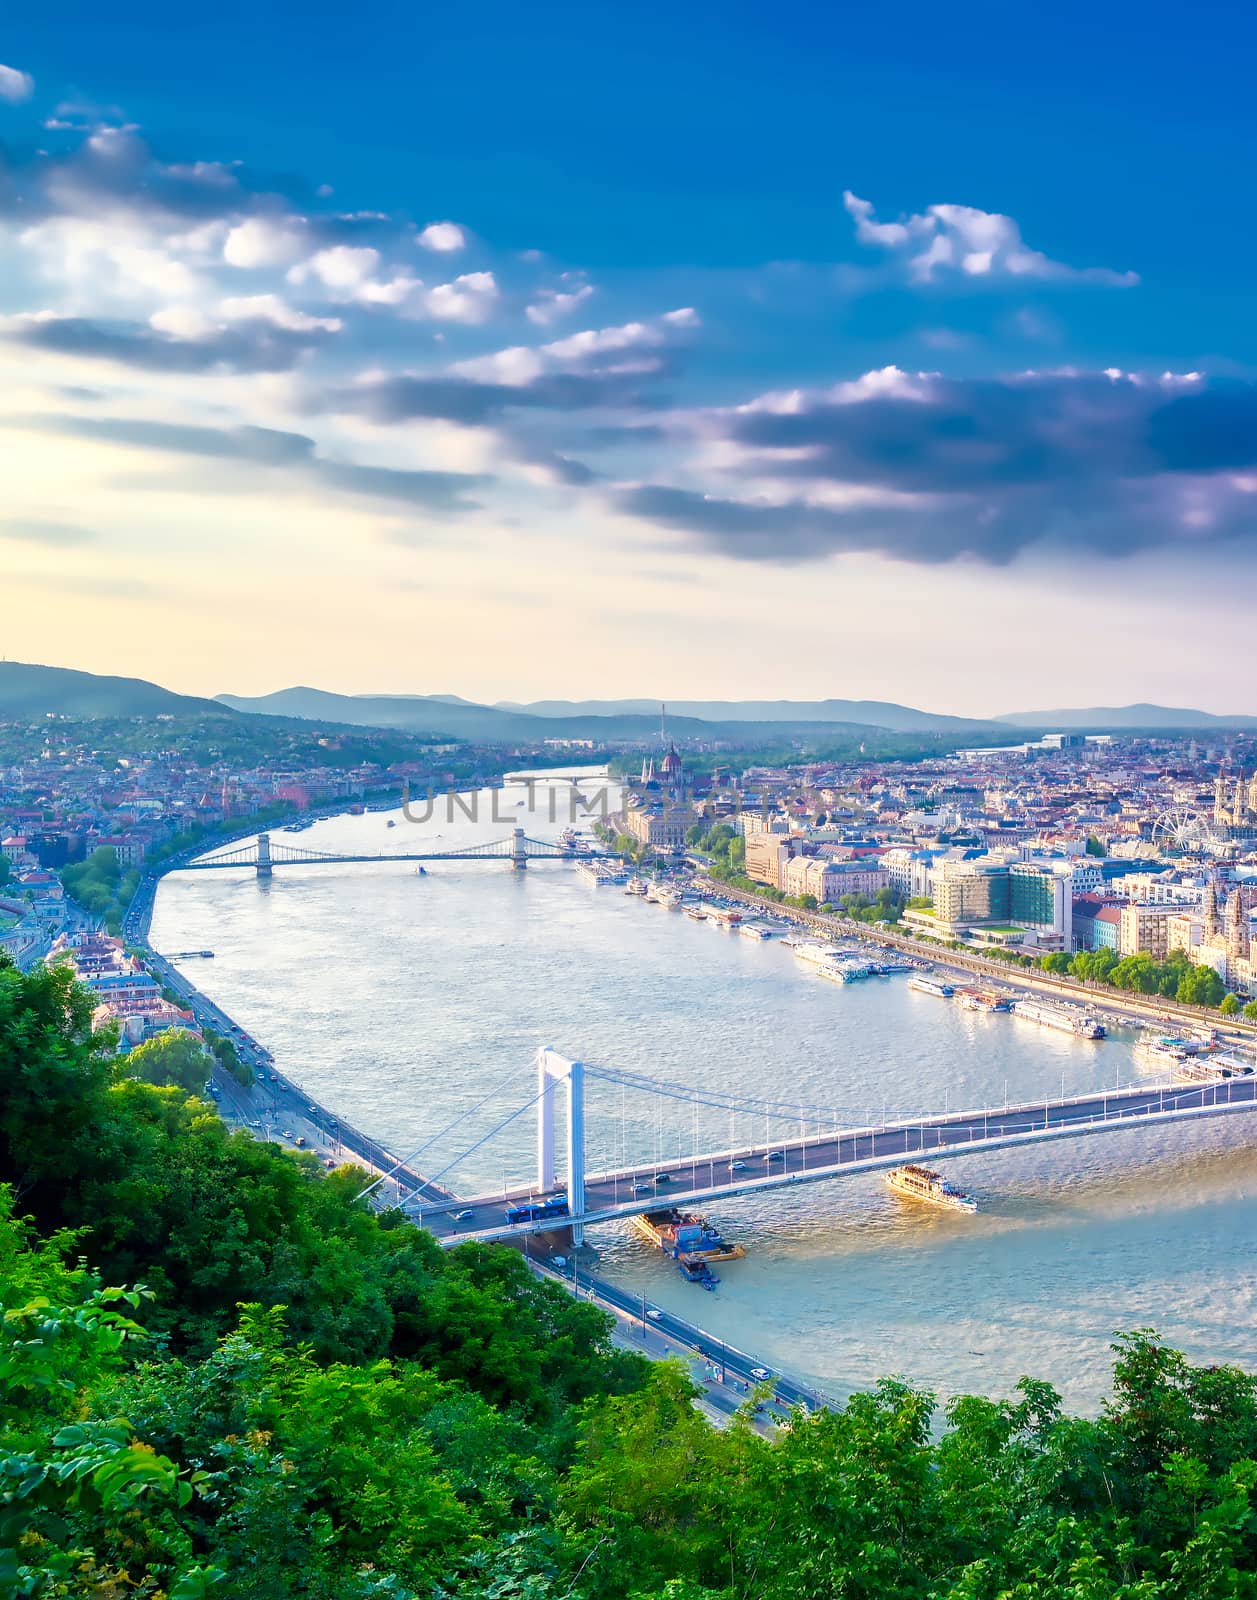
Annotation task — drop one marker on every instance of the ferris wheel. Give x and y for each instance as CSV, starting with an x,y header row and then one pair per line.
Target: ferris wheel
x,y
1190,832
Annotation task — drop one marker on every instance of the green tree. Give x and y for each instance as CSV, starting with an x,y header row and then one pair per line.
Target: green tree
x,y
6,869
172,1057
1095,846
1229,1005
1250,1010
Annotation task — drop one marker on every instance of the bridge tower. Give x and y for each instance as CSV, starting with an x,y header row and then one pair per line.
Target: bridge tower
x,y
552,1068
264,855
519,852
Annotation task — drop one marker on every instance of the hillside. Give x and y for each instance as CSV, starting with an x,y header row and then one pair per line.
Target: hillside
x,y
443,714
27,690
816,722
1136,716
865,713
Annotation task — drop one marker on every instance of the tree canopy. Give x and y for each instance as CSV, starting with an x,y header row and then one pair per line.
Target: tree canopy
x,y
222,1377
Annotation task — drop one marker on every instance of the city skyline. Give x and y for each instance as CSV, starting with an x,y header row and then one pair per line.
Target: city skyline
x,y
756,368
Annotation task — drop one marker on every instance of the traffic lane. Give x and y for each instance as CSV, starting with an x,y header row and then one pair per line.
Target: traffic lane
x,y
721,1387
705,1345
916,1141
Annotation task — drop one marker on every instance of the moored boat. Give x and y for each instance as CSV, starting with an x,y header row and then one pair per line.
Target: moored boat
x,y
679,1233
816,954
924,985
1065,1021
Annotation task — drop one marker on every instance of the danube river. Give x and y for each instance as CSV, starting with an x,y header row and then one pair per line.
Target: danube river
x,y
402,1000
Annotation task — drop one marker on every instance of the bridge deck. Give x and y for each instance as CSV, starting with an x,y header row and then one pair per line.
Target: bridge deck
x,y
609,1196
250,860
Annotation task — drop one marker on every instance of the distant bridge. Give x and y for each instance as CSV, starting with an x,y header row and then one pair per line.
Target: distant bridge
x,y
263,854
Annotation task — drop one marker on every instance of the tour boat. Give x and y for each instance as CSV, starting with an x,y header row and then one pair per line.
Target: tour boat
x,y
923,1183
924,985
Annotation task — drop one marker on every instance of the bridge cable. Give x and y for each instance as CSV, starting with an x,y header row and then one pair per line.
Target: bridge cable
x,y
448,1128
784,1110
471,1150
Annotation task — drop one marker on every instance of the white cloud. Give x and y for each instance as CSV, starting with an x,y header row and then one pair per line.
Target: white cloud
x,y
99,264
626,348
15,86
343,268
270,308
443,237
263,242
347,273
867,229
551,305
978,244
183,322
470,298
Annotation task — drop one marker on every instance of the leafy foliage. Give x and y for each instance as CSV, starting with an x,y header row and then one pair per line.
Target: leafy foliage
x,y
310,1400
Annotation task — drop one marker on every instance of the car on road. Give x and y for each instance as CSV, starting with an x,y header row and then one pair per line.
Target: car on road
x,y
663,1177
463,1216
737,1166
760,1373
775,1155
641,1188
654,1316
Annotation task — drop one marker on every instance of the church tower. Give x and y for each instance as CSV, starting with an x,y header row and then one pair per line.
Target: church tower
x,y
1237,941
1211,924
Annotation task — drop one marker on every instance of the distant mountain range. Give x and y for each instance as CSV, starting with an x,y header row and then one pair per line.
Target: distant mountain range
x,y
27,690
465,719
862,713
1104,718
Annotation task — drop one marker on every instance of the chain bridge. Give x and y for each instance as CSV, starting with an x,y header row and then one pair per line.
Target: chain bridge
x,y
263,854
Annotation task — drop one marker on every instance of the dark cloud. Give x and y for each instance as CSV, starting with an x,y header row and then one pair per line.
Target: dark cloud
x,y
36,531
473,401
1107,520
437,491
268,446
940,436
255,346
273,448
938,470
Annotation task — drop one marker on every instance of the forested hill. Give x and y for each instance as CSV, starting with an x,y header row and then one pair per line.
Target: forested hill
x,y
32,691
221,1376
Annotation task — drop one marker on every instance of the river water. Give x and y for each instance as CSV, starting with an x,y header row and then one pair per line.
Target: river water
x,y
401,1000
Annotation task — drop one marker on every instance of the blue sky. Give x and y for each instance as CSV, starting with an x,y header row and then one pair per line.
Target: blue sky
x,y
655,326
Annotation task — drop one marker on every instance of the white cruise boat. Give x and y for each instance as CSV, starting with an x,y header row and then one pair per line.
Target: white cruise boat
x,y
755,930
924,985
1160,1052
1058,1017
923,1183
668,897
635,885
1211,1069
815,953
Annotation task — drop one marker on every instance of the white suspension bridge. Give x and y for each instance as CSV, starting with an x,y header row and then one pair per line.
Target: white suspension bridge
x,y
802,1144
